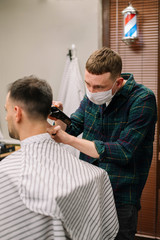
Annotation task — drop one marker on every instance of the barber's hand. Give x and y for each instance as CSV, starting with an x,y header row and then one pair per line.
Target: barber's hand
x,y
58,105
58,134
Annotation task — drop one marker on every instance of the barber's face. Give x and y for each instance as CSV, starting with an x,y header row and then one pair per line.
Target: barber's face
x,y
10,118
100,83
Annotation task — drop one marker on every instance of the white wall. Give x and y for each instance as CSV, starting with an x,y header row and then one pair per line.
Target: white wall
x,y
35,36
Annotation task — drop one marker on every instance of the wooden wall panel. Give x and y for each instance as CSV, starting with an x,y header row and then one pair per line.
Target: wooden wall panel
x,y
141,59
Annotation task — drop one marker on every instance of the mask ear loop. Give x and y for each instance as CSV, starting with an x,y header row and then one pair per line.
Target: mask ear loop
x,y
112,88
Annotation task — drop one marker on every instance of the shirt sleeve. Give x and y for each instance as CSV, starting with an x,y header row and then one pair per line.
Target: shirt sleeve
x,y
77,120
141,121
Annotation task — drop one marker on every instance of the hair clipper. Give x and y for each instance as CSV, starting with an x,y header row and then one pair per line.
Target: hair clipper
x,y
57,113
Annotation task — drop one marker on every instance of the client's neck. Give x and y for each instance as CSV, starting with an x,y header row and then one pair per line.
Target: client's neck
x,y
32,128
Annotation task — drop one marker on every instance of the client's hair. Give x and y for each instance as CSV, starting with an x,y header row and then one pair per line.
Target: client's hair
x,y
33,94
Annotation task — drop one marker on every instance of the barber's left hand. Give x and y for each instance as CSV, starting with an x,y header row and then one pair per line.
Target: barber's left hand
x,y
58,134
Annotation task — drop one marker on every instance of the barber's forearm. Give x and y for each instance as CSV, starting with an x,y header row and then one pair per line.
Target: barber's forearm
x,y
84,146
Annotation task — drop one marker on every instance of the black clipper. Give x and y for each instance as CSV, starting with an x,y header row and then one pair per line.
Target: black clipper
x,y
57,113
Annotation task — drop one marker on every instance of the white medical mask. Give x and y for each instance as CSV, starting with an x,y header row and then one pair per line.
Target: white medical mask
x,y
100,98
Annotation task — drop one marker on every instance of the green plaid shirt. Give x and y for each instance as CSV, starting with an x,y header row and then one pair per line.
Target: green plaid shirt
x,y
123,134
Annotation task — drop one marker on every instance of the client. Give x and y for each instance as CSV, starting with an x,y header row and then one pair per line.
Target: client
x,y
45,192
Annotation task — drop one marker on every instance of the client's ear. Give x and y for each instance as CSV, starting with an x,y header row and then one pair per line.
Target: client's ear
x,y
18,113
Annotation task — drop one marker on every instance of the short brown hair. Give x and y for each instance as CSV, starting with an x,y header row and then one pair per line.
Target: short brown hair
x,y
104,60
35,94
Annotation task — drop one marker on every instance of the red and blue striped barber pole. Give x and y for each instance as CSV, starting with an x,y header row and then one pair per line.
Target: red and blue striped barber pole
x,y
130,24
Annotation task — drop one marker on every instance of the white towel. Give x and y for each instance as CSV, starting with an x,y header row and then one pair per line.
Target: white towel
x,y
72,88
71,91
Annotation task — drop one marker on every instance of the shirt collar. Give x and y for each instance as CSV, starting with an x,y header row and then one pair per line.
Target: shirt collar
x,y
128,86
36,138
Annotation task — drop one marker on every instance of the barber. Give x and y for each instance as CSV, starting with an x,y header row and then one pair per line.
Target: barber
x,y
117,117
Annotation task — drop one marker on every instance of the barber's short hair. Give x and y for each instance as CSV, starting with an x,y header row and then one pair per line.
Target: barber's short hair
x,y
34,94
104,60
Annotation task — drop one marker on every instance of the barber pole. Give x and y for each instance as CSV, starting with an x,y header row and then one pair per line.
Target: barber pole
x,y
130,24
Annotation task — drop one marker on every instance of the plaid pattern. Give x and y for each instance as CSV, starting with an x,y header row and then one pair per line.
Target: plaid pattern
x,y
123,134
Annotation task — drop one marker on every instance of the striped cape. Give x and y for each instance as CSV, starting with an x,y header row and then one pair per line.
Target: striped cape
x,y
47,193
